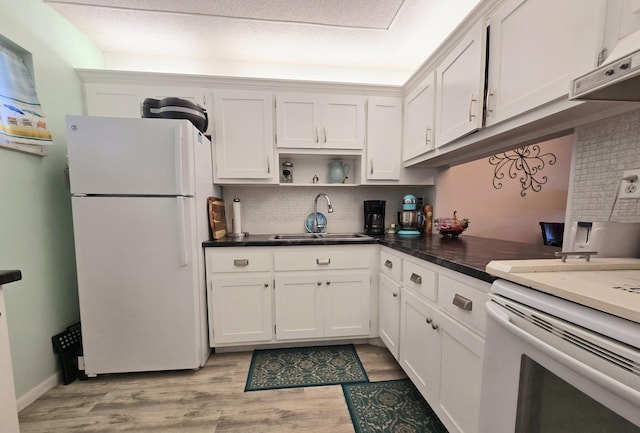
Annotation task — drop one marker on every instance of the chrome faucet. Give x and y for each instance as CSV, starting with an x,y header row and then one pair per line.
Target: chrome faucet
x,y
315,209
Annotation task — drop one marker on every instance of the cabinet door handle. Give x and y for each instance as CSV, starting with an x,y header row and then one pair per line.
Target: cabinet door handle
x,y
371,165
328,283
317,135
471,101
240,262
426,137
266,284
395,294
489,95
319,283
434,326
415,278
462,302
388,264
325,134
268,164
323,261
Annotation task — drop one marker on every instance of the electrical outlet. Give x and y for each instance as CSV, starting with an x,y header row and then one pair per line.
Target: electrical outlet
x,y
630,189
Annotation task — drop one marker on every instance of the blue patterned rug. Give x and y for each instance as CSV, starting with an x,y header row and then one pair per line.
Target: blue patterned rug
x,y
393,406
304,366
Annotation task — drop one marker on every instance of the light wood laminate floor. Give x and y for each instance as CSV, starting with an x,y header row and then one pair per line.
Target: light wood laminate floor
x,y
210,400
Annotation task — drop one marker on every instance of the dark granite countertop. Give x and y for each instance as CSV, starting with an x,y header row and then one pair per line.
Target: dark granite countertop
x,y
268,241
466,254
10,276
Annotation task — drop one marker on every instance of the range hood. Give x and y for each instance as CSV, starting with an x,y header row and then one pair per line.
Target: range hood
x,y
617,79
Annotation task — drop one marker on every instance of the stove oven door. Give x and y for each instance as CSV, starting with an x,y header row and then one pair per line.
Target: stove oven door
x,y
545,375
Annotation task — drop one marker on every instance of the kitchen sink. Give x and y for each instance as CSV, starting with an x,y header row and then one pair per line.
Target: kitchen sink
x,y
322,236
296,236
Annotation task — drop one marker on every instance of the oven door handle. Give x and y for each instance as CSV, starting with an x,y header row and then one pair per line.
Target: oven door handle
x,y
596,376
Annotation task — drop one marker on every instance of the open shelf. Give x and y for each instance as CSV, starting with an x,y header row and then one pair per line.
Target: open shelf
x,y
306,166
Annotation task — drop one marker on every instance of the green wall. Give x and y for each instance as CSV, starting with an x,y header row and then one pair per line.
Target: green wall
x,y
36,234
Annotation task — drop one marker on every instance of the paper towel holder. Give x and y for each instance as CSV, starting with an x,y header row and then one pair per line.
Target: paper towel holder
x,y
236,220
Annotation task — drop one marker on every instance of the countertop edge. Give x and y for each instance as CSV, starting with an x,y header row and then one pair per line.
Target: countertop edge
x,y
10,276
462,258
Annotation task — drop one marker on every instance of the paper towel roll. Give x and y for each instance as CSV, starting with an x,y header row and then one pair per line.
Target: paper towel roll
x,y
237,217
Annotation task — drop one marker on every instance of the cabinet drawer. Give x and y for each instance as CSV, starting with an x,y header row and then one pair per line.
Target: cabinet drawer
x,y
238,260
391,265
419,279
320,259
463,302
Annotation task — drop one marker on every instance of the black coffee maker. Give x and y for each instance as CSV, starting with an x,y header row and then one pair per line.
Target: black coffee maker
x,y
374,217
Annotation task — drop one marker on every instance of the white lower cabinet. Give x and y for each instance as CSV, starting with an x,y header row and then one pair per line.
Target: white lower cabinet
x,y
347,304
460,375
389,314
239,295
264,295
299,307
241,308
441,336
322,292
420,344
322,305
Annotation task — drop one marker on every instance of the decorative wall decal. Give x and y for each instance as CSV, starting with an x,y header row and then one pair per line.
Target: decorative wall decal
x,y
526,162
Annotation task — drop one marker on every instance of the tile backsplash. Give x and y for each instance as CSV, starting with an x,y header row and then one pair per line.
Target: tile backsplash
x,y
284,209
602,151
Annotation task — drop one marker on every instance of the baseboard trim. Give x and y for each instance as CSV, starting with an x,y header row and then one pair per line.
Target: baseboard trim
x,y
288,344
39,390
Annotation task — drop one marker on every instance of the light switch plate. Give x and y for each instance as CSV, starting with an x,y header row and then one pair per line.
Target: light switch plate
x,y
630,190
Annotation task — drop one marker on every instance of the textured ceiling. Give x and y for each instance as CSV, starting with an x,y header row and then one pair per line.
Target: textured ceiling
x,y
349,38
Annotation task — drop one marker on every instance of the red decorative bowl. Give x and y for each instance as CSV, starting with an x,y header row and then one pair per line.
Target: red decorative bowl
x,y
451,227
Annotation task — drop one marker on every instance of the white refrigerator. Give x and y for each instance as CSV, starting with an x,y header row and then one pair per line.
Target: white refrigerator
x,y
139,199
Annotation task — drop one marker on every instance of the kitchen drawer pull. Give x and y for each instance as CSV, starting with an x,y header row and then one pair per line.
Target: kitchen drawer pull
x,y
395,294
323,261
462,302
388,264
415,278
240,262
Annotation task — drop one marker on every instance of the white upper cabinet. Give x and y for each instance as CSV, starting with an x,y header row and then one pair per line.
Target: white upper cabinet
x,y
623,19
308,121
460,87
419,119
125,100
243,144
384,138
536,48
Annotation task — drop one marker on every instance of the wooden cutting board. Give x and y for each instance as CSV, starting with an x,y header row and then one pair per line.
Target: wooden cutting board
x,y
217,218
556,265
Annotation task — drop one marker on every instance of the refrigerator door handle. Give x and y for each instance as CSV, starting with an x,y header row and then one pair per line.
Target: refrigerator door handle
x,y
178,159
182,234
